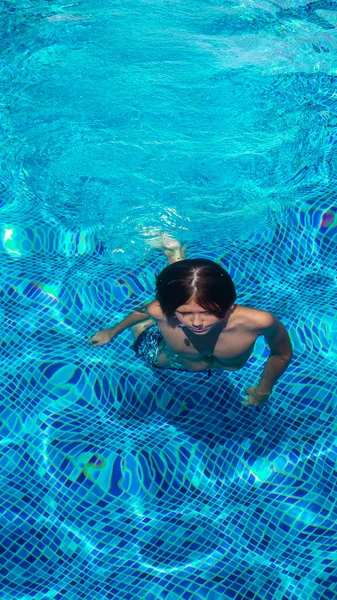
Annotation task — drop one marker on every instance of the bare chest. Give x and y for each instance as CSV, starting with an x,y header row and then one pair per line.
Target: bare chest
x,y
229,345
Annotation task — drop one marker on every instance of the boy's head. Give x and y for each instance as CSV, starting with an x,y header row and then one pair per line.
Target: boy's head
x,y
198,292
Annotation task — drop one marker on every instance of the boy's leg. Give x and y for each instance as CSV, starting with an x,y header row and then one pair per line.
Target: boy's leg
x,y
174,252
172,249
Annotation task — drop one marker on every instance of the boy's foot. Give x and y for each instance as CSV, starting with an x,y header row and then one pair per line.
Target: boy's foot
x,y
172,249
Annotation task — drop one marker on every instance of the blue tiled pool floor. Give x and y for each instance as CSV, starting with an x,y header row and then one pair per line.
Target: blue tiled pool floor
x,y
119,482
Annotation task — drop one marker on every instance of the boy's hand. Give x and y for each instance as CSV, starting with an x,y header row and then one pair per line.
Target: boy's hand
x,y
101,337
255,397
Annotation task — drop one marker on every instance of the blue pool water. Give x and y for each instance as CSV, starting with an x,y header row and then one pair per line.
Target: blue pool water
x,y
213,121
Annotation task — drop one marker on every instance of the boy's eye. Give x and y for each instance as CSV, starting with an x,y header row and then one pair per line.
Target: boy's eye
x,y
185,314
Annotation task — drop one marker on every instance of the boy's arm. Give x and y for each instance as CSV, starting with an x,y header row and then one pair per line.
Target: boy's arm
x,y
280,355
105,335
279,358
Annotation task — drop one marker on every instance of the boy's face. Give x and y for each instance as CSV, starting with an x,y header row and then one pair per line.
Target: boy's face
x,y
196,318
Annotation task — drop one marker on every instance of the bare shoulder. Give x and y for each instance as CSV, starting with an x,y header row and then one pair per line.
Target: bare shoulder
x,y
256,319
154,311
262,322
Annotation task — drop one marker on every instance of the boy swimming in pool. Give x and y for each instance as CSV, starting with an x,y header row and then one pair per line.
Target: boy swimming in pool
x,y
194,324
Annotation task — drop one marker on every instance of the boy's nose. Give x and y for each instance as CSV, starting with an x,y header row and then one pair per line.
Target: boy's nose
x,y
196,320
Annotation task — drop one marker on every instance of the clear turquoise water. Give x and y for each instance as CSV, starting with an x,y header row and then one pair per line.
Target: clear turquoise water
x,y
214,122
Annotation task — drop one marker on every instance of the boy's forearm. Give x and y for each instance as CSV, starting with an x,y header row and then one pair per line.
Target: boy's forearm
x,y
129,321
273,369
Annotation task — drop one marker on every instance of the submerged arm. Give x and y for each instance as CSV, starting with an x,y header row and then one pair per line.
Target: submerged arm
x,y
280,355
279,358
105,335
137,316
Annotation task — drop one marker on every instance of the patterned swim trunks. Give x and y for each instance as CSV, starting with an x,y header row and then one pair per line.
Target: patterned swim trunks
x,y
146,347
147,344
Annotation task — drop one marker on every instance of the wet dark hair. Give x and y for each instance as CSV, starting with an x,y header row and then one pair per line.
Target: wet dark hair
x,y
204,280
